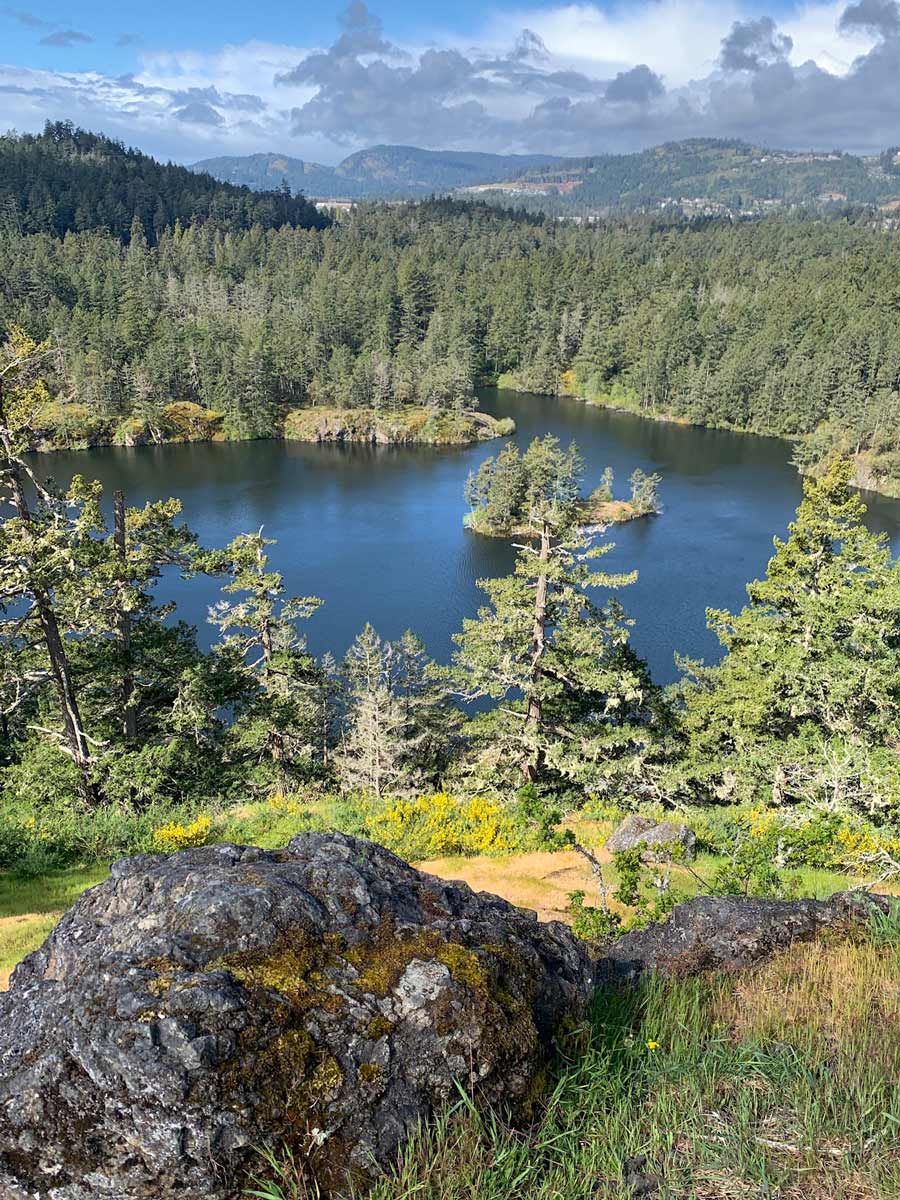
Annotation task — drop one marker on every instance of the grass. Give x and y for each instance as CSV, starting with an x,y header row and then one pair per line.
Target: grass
x,y
29,909
544,880
780,1083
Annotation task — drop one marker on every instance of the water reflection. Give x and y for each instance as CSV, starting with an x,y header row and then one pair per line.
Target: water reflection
x,y
377,531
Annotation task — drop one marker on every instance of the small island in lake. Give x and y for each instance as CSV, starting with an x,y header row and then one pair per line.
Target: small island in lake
x,y
503,492
395,427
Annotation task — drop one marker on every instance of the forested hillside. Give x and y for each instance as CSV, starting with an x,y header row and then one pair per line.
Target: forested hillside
x,y
698,174
704,173
380,172
67,180
781,326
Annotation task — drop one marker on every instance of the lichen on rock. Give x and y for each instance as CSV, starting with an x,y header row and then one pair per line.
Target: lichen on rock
x,y
200,1005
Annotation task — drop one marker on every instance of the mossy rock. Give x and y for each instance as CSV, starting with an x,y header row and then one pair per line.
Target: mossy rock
x,y
326,997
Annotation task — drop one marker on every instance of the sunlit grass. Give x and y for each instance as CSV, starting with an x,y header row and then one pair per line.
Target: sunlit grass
x,y
780,1083
29,909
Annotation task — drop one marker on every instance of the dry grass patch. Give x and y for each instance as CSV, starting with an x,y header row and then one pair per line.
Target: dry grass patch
x,y
541,880
842,991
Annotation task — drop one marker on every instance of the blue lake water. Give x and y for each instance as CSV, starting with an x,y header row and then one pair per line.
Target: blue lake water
x,y
377,533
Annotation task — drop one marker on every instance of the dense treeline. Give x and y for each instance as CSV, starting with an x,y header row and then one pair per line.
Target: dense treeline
x,y
781,326
66,180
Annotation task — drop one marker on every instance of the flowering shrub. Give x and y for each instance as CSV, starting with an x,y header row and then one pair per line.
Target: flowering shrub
x,y
181,837
437,826
816,838
765,846
286,806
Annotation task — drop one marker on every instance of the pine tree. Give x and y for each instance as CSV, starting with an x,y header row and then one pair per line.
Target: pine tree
x,y
431,723
811,674
523,492
415,302
645,490
374,744
283,724
34,549
575,705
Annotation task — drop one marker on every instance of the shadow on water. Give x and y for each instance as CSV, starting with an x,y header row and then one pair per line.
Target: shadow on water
x,y
377,531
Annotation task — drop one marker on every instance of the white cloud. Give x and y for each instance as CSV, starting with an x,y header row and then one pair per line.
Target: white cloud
x,y
573,79
675,38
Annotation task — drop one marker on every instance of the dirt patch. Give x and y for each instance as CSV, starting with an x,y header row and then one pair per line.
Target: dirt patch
x,y
540,881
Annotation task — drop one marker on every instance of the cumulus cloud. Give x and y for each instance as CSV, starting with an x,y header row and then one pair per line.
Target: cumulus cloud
x,y
448,96
880,17
639,85
752,45
576,79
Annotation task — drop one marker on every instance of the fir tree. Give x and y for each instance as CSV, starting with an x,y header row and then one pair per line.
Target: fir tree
x,y
811,675
574,704
374,743
283,724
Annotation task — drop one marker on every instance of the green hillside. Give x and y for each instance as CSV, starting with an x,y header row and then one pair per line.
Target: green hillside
x,y
66,180
702,173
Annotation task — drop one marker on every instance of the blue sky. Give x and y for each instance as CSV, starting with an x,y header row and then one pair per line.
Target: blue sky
x,y
119,37
320,80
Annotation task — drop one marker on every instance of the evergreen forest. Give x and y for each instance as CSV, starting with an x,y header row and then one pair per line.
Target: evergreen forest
x,y
190,326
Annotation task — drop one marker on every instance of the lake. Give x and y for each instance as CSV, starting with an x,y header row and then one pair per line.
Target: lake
x,y
377,533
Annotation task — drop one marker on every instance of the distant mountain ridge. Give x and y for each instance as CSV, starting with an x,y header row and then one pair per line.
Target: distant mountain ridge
x,y
381,172
700,175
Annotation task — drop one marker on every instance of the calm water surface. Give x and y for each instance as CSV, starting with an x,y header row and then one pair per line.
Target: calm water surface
x,y
377,532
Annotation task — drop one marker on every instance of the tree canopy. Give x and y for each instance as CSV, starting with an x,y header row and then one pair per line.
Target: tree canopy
x,y
783,325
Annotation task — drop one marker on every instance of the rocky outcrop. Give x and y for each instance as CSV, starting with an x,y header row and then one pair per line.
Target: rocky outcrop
x,y
652,836
197,1006
728,933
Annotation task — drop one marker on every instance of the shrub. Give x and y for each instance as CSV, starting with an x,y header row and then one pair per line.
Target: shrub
x,y
189,422
175,836
795,837
589,923
438,826
34,839
41,779
273,823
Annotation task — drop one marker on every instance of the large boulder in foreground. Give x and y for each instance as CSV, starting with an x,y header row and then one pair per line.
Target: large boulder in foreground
x,y
200,1005
728,933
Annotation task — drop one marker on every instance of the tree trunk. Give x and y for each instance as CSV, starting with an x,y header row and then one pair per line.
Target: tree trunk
x,y
129,711
56,652
538,648
596,872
